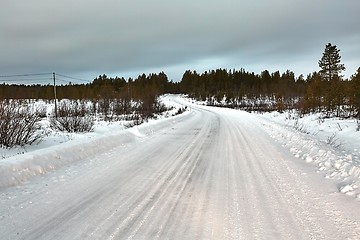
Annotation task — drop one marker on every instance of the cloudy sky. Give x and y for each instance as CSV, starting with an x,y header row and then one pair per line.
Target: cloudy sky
x,y
85,38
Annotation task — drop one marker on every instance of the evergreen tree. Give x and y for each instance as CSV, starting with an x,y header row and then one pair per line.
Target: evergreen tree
x,y
330,63
331,67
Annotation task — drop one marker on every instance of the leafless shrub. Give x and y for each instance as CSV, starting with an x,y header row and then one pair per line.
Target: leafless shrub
x,y
72,123
180,111
159,107
19,124
104,107
121,106
93,107
299,126
321,119
135,120
339,127
42,111
333,140
73,117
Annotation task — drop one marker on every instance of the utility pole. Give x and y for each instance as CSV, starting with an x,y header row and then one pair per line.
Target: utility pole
x,y
55,98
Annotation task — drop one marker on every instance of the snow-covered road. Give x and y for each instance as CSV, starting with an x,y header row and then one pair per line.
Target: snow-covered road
x,y
210,174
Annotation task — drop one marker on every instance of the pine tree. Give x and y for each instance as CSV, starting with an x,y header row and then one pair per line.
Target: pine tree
x,y
330,63
331,67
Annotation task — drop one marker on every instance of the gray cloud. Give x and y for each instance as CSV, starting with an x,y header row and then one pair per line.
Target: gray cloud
x,y
130,37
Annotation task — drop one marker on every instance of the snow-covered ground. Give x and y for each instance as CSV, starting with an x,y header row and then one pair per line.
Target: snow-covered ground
x,y
332,145
210,173
56,149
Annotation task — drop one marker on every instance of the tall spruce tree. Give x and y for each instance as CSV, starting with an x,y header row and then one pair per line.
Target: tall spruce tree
x,y
331,67
330,63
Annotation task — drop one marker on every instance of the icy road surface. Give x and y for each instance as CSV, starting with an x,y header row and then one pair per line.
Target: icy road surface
x,y
210,174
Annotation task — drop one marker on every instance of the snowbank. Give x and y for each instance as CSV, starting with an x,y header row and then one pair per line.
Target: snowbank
x,y
18,169
332,145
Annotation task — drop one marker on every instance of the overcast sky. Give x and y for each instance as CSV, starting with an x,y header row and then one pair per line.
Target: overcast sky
x,y
85,38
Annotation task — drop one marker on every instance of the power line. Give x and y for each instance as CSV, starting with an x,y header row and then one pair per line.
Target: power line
x,y
26,78
23,78
62,80
24,75
73,78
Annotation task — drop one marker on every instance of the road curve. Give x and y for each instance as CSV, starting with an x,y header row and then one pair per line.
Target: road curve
x,y
213,175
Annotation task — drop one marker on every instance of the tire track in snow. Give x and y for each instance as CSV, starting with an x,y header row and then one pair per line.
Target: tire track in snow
x,y
177,178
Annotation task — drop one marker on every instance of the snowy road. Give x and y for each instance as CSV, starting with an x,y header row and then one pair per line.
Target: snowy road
x,y
211,174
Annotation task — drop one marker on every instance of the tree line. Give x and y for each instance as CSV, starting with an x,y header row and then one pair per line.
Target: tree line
x,y
323,91
101,87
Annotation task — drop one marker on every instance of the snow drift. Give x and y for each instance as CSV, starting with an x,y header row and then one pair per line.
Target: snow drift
x,y
333,150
